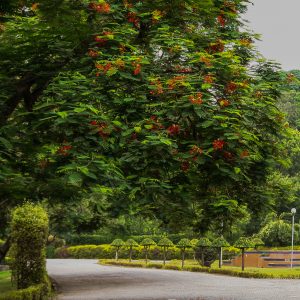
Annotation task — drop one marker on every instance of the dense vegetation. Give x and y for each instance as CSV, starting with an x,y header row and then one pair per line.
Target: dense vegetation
x,y
123,117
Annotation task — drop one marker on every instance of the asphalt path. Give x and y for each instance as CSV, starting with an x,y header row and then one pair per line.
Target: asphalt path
x,y
85,279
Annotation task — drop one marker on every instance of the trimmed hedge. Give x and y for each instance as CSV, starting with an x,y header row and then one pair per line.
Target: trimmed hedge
x,y
35,292
108,252
235,273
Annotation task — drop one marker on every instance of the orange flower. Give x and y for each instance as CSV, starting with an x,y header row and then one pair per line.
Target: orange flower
x,y
218,46
208,78
231,87
221,20
206,61
92,53
137,69
218,144
244,154
224,102
195,150
197,99
174,129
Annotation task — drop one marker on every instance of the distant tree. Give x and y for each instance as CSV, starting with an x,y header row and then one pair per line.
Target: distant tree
x,y
130,243
219,243
147,243
243,243
118,244
183,244
165,243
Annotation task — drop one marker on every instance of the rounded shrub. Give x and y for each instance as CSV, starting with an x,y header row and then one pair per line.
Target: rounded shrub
x,y
117,243
29,231
165,243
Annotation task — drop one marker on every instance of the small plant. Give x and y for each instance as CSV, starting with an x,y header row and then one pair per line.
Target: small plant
x,y
243,243
165,243
130,244
147,243
257,242
118,244
183,244
219,243
202,244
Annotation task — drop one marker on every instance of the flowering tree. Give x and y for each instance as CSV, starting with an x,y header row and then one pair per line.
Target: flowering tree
x,y
141,102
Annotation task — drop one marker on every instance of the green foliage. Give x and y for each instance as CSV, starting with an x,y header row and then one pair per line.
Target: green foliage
x,y
244,242
204,242
34,292
29,230
220,242
184,243
128,108
257,242
108,252
278,233
165,242
131,243
118,243
147,243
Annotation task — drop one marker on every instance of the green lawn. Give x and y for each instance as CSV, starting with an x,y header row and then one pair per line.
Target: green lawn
x,y
5,282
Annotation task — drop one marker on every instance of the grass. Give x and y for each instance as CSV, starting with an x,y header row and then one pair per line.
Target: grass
x,y
193,266
5,282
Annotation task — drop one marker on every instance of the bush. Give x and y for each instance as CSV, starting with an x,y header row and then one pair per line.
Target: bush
x,y
108,252
87,239
34,292
29,231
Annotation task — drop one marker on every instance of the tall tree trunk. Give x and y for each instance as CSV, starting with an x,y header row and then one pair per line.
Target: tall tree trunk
x,y
4,249
164,256
220,257
130,254
202,256
146,255
182,259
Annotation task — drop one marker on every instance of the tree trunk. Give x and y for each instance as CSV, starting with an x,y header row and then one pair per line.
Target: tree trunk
x,y
117,256
220,257
4,249
243,259
182,261
164,256
146,255
130,254
202,256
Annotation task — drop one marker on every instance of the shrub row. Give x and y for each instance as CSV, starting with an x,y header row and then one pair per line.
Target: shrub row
x,y
108,251
236,273
35,292
96,239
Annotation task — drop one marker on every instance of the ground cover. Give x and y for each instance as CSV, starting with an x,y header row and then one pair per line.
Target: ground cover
x,y
193,266
5,282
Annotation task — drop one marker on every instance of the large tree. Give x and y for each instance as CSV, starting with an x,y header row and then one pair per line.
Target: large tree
x,y
159,106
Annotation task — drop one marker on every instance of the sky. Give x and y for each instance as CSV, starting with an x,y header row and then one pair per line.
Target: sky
x,y
279,24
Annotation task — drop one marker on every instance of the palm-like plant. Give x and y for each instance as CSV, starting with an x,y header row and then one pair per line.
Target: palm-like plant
x,y
183,244
118,244
147,243
131,243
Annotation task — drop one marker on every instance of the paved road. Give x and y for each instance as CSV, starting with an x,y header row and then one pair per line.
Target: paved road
x,y
85,279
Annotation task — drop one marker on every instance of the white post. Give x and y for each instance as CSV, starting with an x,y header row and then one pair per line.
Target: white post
x,y
293,211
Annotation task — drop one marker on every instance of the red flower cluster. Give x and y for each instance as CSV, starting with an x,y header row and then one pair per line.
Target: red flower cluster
x,y
174,129
185,166
158,88
195,150
63,150
103,68
228,155
221,20
231,87
206,61
244,154
218,46
175,81
101,8
92,53
218,144
224,102
132,18
180,69
137,68
208,78
102,41
102,128
197,99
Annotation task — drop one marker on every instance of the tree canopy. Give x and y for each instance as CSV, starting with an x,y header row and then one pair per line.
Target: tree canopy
x,y
153,107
